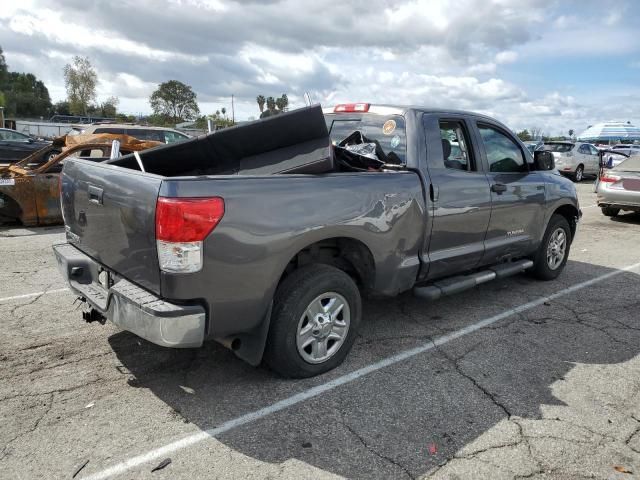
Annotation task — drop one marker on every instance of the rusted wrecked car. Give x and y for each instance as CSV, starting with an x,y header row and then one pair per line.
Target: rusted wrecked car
x,y
29,190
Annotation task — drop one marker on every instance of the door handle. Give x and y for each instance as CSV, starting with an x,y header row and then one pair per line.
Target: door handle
x,y
499,188
95,194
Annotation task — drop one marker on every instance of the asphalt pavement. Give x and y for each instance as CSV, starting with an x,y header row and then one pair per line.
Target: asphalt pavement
x,y
514,379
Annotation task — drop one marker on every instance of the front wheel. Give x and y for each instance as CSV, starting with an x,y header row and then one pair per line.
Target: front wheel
x,y
553,252
316,312
610,212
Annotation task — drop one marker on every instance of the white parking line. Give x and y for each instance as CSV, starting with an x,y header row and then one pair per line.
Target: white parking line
x,y
36,294
343,380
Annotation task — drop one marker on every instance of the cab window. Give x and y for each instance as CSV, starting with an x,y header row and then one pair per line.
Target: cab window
x,y
503,153
455,150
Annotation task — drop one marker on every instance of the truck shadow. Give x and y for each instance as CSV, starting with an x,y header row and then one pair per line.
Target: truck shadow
x,y
406,419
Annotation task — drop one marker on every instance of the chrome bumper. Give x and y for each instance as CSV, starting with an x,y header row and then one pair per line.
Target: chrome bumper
x,y
130,307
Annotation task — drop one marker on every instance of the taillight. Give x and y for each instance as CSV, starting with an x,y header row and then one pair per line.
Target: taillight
x,y
181,226
609,178
352,107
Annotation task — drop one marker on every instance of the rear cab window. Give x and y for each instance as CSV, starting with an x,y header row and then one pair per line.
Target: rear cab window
x,y
455,146
388,131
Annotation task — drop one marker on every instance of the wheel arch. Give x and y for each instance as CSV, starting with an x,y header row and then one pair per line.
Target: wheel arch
x,y
570,213
348,254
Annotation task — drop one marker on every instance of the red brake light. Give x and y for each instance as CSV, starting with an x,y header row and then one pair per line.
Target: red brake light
x,y
609,178
352,107
187,219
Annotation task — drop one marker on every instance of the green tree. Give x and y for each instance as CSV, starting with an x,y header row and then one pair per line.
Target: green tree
x,y
571,132
4,70
26,96
109,108
271,104
61,108
261,100
174,100
80,80
524,135
224,112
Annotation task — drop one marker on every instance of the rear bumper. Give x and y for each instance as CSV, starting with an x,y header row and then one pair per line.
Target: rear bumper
x,y
129,306
618,198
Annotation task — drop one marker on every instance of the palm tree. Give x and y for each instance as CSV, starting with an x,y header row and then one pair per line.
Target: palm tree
x,y
271,104
571,133
285,101
260,99
280,104
224,112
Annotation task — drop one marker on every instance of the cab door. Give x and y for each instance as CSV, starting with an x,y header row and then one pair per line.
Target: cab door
x,y
517,195
459,194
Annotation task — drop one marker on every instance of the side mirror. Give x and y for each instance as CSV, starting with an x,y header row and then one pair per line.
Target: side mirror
x,y
30,140
543,160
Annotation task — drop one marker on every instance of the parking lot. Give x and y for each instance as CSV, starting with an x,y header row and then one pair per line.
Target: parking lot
x,y
515,378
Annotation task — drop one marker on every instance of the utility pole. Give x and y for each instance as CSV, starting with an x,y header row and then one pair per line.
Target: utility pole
x,y
1,117
233,112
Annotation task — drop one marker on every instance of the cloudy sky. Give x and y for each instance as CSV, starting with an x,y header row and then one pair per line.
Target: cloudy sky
x,y
549,64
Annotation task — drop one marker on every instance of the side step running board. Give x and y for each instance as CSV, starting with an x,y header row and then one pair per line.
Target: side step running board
x,y
452,285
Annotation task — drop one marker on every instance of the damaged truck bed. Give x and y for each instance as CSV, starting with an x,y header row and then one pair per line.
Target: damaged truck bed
x,y
264,236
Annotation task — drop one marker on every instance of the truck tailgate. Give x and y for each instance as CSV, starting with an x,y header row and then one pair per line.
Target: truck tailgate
x,y
109,214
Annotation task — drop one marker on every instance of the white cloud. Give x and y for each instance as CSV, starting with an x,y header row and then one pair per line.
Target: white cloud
x,y
506,56
459,54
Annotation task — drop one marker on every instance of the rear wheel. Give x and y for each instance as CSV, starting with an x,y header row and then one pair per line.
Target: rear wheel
x,y
316,313
578,175
553,252
610,212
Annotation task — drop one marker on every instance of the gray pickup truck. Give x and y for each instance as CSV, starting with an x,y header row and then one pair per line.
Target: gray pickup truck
x,y
183,244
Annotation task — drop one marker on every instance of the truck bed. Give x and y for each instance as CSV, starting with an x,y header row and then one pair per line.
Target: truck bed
x,y
109,214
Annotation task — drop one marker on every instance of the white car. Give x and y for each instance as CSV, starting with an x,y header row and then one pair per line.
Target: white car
x,y
574,160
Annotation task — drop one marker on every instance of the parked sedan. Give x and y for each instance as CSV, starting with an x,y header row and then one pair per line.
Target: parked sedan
x,y
619,188
574,160
14,146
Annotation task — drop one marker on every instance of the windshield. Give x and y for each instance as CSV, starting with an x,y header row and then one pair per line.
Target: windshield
x,y
558,147
386,130
631,164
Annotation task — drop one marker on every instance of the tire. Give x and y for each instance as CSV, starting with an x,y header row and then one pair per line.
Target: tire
x,y
578,175
543,269
610,212
297,296
50,156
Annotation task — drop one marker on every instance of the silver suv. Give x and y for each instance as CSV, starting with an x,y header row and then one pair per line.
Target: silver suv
x,y
574,160
158,134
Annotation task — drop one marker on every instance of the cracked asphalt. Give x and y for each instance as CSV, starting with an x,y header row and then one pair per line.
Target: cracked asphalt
x,y
550,392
